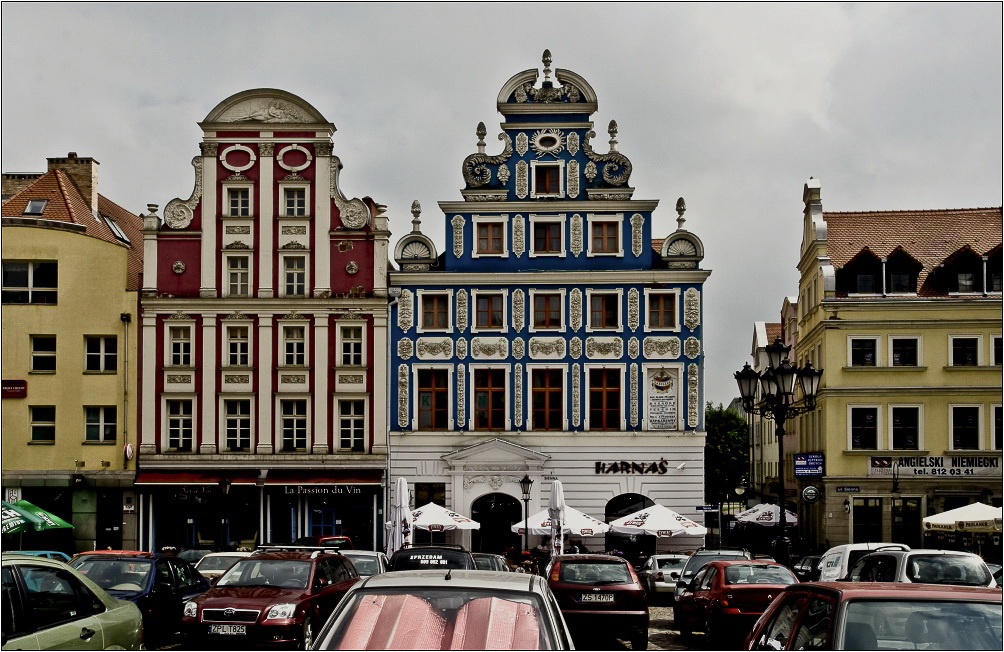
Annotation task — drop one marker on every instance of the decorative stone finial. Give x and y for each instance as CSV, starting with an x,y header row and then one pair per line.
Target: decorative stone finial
x,y
612,130
681,208
416,223
547,65
481,132
152,208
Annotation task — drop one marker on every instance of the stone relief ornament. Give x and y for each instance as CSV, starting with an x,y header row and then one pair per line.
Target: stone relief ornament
x,y
293,244
681,247
236,378
293,379
482,347
493,481
575,348
461,395
434,348
352,267
573,143
590,172
178,267
522,181
518,236
354,213
405,313
573,179
262,110
692,384
518,398
617,168
575,309
266,149
636,244
461,310
355,379
518,312
475,167
402,395
293,177
691,308
179,315
634,348
518,348
293,230
461,348
252,158
552,347
576,396
405,348
178,379
237,314
547,141
634,309
576,244
322,149
692,347
178,214
662,347
237,178
237,245
634,394
458,222
607,347
503,173
238,230
209,149
522,143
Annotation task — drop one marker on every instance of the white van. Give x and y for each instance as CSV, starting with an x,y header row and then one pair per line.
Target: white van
x,y
835,563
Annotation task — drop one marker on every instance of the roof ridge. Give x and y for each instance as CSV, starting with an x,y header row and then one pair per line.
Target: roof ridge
x,y
61,178
917,210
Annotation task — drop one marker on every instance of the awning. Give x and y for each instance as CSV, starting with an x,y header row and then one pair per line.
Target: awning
x,y
274,477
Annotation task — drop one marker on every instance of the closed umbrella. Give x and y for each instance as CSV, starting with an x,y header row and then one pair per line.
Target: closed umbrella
x,y
399,525
766,514
556,512
658,520
575,523
437,518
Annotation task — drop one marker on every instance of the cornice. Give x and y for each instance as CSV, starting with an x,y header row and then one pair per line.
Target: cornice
x,y
515,277
548,207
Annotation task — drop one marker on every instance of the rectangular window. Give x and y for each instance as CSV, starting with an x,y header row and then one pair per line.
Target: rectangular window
x,y
547,311
489,311
294,424
237,415
965,351
238,276
489,399
43,353
35,206
546,179
604,399
547,399
863,352
181,346
899,283
43,422
352,346
296,202
490,238
662,311
904,351
435,311
100,423
906,428
351,425
866,284
967,281
547,237
237,346
239,200
603,311
605,237
295,274
965,427
101,353
864,428
295,342
179,425
433,399
998,428
997,351
29,282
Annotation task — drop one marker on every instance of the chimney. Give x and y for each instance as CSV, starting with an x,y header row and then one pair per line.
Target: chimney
x,y
84,173
15,182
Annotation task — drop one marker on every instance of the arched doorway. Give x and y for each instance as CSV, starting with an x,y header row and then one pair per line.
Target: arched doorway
x,y
634,546
496,513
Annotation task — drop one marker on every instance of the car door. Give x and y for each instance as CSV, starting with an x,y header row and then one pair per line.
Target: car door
x,y
686,603
777,632
704,595
65,614
189,582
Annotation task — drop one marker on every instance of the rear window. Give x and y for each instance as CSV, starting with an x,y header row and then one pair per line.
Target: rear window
x,y
921,624
670,564
365,564
217,563
758,575
696,562
431,560
594,573
947,569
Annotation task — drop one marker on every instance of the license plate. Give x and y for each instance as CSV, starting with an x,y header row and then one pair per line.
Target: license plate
x,y
597,597
228,629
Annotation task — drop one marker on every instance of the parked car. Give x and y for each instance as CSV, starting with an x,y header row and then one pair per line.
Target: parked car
x,y
279,596
367,562
47,605
488,561
836,561
326,541
807,568
702,556
447,609
880,616
660,572
725,598
159,585
81,556
440,555
214,564
48,554
600,591
193,555
922,566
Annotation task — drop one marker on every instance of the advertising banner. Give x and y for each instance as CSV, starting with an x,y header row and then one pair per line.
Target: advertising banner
x,y
934,466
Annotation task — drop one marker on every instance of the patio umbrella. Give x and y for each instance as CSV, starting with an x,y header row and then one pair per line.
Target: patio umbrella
x,y
658,520
399,526
575,522
437,518
975,517
16,519
556,512
766,514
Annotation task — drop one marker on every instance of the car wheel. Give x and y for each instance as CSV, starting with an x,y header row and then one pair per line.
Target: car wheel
x,y
639,640
308,634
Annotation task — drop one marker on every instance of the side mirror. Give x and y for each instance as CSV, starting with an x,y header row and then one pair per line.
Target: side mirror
x,y
320,583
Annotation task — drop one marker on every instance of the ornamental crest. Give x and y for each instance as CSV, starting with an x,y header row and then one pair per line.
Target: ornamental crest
x,y
575,309
178,214
590,172
692,308
239,230
461,310
178,267
573,179
634,394
692,384
482,347
461,395
518,236
518,348
662,347
634,348
547,141
522,143
402,395
604,348
553,347
289,230
518,305
573,143
575,348
576,244
461,348
518,398
576,396
636,244
458,222
634,311
503,173
434,348
405,314
405,348
692,347
522,180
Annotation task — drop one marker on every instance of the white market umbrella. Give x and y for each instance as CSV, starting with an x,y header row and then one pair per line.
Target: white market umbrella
x,y
658,520
575,523
437,518
399,526
556,512
766,514
975,517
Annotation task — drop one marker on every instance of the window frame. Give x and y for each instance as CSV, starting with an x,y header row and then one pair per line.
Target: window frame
x,y
226,419
284,189
173,328
979,426
362,419
562,294
169,429
287,337
447,296
230,340
103,423
550,220
285,271
918,341
878,426
876,353
592,220
979,350
648,294
30,287
103,355
919,408
38,422
226,188
500,221
618,295
39,210
473,390
416,392
341,341
503,295
281,417
587,391
563,411
996,426
559,166
248,272
996,350
38,355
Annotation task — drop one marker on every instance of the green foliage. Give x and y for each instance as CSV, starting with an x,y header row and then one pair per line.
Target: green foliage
x,y
726,453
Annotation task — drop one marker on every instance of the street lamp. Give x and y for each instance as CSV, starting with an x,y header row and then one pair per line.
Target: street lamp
x,y
524,486
776,400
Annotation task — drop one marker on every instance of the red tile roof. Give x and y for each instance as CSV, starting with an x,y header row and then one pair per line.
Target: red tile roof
x,y
773,332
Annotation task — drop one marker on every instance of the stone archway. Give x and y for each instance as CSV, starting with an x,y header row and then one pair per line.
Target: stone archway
x,y
496,512
634,547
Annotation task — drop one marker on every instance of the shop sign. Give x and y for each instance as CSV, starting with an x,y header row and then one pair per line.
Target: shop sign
x,y
808,465
848,490
330,490
810,494
11,494
661,410
14,388
934,466
639,468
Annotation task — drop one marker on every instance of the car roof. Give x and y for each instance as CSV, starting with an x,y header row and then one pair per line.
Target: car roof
x,y
232,553
589,556
906,591
361,553
453,578
744,562
295,555
146,556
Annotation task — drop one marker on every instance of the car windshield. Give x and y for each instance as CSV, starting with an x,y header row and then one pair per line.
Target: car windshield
x,y
214,563
283,573
117,574
921,624
416,618
484,563
365,564
431,560
696,562
947,569
594,572
756,574
670,563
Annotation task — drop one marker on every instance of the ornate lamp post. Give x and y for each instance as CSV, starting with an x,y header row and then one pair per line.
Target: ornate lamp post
x,y
524,486
776,401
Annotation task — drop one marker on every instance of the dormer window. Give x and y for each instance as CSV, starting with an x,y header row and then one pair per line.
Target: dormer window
x,y
866,284
35,206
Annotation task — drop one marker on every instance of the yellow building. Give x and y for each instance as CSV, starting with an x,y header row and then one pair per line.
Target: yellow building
x,y
902,309
71,269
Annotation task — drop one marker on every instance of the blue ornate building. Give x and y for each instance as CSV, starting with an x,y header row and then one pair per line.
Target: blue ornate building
x,y
554,337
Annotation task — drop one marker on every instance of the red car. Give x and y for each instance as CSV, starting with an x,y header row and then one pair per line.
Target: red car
x,y
276,597
880,616
600,593
725,598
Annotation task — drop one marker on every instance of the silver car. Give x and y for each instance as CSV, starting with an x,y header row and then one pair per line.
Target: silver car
x,y
922,567
367,562
660,573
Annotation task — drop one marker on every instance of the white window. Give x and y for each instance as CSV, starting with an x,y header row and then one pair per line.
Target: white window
x,y
603,310
490,236
294,201
489,387
604,394
965,350
547,310
35,206
435,311
547,235
905,351
433,397
864,430
350,345
906,427
237,423
293,424
43,422
548,397
605,235
100,353
100,423
238,275
294,339
965,427
30,282
43,353
489,310
352,425
238,201
179,425
661,310
294,273
548,179
238,346
862,351
180,346
998,429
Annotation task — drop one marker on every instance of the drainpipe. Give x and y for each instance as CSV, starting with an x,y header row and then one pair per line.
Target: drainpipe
x,y
126,318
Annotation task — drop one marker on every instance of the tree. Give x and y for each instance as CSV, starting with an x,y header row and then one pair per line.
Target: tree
x,y
726,453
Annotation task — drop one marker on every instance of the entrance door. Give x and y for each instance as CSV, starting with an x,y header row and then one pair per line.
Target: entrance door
x,y
906,521
496,513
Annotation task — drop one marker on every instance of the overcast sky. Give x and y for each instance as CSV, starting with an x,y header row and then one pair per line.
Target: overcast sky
x,y
731,106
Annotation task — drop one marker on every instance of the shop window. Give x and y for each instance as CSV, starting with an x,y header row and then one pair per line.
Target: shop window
x,y
180,341
905,428
864,428
435,312
179,425
547,237
238,346
867,520
351,345
965,351
604,399
547,399
864,351
100,423
43,423
294,345
905,351
489,399
965,427
351,425
433,399
237,414
489,313
294,424
30,282
238,276
43,353
547,311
